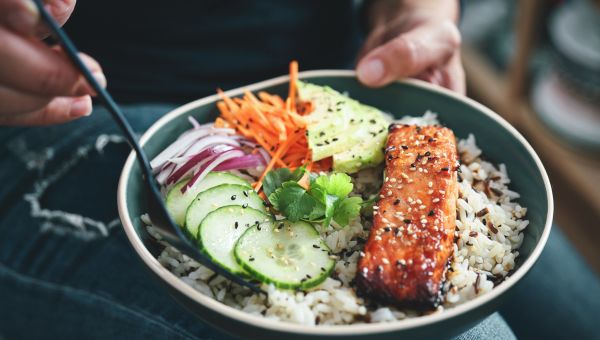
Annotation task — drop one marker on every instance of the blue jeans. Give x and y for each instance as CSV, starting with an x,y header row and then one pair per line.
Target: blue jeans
x,y
67,271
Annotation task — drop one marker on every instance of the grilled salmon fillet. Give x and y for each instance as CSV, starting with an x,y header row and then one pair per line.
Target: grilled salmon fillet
x,y
405,258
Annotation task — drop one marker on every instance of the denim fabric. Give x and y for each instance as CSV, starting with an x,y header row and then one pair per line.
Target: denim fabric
x,y
67,270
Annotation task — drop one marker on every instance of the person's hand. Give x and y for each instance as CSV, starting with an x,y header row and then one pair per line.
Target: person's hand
x,y
416,39
38,84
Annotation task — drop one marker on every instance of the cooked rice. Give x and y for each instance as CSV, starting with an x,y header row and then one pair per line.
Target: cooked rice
x,y
489,229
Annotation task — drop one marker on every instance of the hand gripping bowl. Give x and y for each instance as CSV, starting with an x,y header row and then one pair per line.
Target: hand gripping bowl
x,y
499,140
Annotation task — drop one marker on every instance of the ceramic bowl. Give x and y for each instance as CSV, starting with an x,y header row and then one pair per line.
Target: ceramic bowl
x,y
500,142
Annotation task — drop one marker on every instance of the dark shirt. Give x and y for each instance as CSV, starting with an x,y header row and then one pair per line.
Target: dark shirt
x,y
180,50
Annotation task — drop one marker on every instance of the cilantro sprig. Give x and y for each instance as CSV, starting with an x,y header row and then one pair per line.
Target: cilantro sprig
x,y
326,198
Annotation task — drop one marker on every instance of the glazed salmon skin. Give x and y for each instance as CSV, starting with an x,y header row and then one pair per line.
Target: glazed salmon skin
x,y
405,258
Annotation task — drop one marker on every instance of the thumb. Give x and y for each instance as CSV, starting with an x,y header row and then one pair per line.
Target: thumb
x,y
409,54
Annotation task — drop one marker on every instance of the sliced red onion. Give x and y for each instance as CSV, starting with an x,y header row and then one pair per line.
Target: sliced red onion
x,y
192,170
177,147
205,148
161,168
265,155
209,166
164,173
244,162
184,168
205,142
246,142
184,142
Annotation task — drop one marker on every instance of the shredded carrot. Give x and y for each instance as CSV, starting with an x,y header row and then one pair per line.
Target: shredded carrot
x,y
277,125
221,123
293,82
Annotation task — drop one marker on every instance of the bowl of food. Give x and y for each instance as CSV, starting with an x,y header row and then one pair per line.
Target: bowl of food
x,y
406,210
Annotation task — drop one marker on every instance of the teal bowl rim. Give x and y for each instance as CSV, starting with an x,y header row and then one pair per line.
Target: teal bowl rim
x,y
337,330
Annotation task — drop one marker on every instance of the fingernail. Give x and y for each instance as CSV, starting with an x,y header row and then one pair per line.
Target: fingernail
x,y
100,78
81,107
371,71
58,8
24,20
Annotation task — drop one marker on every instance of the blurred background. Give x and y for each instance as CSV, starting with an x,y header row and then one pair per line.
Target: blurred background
x,y
537,63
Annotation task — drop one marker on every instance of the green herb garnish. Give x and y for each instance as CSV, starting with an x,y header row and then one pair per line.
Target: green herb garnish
x,y
326,199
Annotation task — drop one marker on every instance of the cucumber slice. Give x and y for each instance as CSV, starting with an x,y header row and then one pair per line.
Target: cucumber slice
x,y
288,255
220,196
177,203
220,230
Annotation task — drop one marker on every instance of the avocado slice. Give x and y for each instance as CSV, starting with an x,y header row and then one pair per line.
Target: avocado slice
x,y
352,133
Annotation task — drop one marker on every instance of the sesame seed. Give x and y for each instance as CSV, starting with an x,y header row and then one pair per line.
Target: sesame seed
x,y
435,200
430,184
385,261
